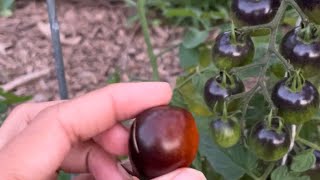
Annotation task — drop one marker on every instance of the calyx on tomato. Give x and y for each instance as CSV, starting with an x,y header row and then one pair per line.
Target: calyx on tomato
x,y
225,130
301,47
297,99
232,49
269,139
217,89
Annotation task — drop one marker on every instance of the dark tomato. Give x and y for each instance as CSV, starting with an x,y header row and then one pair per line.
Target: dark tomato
x,y
161,140
311,8
269,143
216,93
225,132
295,107
228,54
302,55
254,12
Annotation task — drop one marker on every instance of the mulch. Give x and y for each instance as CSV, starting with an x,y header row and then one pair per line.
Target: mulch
x,y
97,40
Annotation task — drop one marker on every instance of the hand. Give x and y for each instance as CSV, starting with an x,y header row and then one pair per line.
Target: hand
x,y
82,135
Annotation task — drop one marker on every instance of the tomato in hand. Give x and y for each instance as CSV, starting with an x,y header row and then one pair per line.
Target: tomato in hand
x,y
161,140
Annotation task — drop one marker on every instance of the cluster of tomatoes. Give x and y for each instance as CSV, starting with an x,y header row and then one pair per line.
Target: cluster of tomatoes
x,y
296,98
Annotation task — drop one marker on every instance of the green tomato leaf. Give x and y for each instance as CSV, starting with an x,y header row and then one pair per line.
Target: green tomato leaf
x,y
188,57
181,12
10,98
303,161
232,163
114,78
205,57
282,173
177,99
3,107
193,99
194,37
198,82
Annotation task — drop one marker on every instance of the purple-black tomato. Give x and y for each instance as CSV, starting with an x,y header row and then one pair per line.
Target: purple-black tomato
x,y
161,140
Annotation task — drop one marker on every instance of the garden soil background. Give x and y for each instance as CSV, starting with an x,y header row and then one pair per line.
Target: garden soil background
x,y
97,40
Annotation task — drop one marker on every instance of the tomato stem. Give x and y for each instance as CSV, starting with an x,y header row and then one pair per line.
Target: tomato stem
x,y
146,34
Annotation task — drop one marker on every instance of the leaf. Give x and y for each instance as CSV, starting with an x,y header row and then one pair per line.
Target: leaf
x,y
205,58
5,7
282,173
232,163
177,99
188,57
181,12
194,37
114,78
10,98
199,81
303,161
193,99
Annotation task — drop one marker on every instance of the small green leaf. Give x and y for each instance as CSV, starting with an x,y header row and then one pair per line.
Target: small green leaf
x,y
198,82
10,98
303,161
194,37
205,58
181,12
114,78
188,57
177,99
282,173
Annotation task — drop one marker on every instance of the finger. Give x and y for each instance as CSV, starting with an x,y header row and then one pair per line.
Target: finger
x,y
90,158
84,177
183,174
19,118
114,140
53,132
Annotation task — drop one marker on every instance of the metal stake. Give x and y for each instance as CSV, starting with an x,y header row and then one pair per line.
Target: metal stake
x,y
54,26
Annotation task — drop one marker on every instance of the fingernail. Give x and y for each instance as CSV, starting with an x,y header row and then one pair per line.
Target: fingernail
x,y
190,174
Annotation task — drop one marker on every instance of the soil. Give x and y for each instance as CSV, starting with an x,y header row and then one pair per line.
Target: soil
x,y
97,40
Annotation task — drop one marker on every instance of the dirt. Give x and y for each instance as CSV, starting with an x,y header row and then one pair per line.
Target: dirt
x,y
97,40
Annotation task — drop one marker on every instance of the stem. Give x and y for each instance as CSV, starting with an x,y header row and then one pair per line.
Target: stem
x,y
192,75
293,139
268,171
145,29
308,143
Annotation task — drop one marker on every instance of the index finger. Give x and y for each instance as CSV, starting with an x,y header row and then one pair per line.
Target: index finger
x,y
52,133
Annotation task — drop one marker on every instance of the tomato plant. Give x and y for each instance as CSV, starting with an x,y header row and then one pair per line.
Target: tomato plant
x,y
231,83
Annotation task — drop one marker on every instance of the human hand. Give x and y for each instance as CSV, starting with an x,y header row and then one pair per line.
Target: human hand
x,y
82,135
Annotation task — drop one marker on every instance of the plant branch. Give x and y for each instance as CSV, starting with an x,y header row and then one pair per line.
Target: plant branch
x,y
145,29
308,143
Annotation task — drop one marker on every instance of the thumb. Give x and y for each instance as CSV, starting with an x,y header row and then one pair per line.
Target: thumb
x,y
183,174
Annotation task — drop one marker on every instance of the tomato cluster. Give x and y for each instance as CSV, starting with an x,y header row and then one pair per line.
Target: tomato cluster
x,y
165,138
295,98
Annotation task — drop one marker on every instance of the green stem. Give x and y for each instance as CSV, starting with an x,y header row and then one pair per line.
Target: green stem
x,y
308,143
268,171
192,75
145,29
